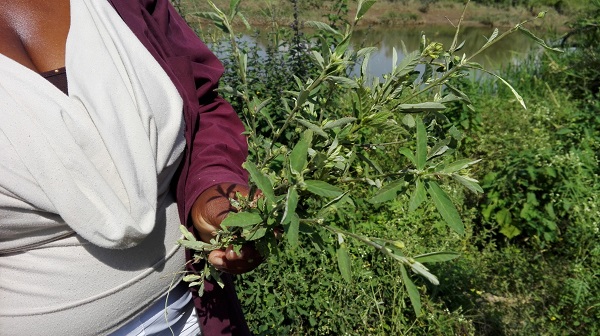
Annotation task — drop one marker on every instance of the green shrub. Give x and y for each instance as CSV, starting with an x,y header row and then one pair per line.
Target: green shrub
x,y
579,68
301,292
542,281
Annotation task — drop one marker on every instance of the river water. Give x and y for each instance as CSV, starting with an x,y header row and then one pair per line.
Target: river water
x,y
511,49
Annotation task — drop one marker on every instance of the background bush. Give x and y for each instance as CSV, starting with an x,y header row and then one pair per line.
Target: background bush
x,y
530,256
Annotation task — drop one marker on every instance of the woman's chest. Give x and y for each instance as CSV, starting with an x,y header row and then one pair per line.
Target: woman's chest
x,y
34,32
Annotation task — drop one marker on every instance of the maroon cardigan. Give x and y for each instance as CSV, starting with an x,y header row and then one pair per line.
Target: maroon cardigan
x,y
215,148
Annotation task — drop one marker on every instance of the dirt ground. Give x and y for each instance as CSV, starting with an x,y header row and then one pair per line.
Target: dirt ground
x,y
444,13
267,12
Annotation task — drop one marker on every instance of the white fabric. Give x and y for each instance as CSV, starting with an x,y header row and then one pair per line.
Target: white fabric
x,y
92,157
88,227
172,314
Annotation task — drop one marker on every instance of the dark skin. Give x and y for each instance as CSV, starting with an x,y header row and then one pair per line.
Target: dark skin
x,y
34,33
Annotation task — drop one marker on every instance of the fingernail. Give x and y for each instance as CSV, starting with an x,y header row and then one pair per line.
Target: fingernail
x,y
217,262
232,255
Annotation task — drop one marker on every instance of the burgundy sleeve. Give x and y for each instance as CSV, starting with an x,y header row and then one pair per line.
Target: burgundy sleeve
x,y
215,148
216,145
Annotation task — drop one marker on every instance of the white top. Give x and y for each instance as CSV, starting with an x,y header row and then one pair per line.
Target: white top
x,y
88,228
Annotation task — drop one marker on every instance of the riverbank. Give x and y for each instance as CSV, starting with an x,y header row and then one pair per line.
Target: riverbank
x,y
386,13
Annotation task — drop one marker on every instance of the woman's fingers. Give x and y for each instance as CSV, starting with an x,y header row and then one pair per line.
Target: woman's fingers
x,y
236,263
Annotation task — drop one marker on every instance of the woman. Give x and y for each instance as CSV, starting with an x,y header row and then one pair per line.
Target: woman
x,y
95,179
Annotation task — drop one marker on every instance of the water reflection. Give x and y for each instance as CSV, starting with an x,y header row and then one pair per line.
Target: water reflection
x,y
509,50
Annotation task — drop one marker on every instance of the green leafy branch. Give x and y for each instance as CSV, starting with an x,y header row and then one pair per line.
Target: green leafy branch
x,y
332,133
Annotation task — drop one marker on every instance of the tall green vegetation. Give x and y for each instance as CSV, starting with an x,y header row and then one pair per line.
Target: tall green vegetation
x,y
529,252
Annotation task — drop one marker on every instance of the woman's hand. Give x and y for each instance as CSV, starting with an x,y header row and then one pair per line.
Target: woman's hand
x,y
209,210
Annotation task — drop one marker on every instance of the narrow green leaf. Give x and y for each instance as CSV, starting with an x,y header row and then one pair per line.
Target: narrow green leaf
x,y
325,47
469,183
370,162
421,107
320,61
255,234
421,153
215,7
409,155
212,16
342,46
449,98
438,149
322,26
241,219
388,192
365,65
515,93
186,233
315,128
365,51
292,230
475,65
363,7
436,257
459,93
302,97
445,207
550,210
191,277
244,20
233,6
538,40
420,269
343,82
339,122
338,199
290,205
419,196
196,245
407,64
299,153
230,90
261,180
564,131
216,276
413,292
261,105
457,165
200,288
344,262
334,147
492,37
323,188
